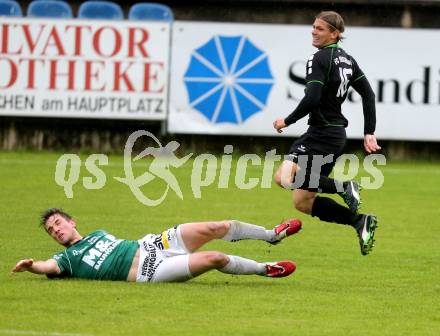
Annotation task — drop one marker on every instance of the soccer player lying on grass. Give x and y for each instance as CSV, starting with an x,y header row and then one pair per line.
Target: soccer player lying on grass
x,y
167,257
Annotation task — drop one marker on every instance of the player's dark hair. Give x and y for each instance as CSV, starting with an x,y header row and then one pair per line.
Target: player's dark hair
x,y
53,211
334,21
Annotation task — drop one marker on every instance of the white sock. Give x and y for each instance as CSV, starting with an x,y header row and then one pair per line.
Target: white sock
x,y
243,266
240,230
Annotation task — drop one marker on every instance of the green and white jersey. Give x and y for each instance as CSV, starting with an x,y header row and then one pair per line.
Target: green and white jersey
x,y
98,256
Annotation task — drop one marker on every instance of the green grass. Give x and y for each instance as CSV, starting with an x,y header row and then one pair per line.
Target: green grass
x,y
335,290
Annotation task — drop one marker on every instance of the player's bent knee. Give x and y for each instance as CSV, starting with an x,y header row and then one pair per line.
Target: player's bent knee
x,y
303,205
217,259
299,206
218,229
284,180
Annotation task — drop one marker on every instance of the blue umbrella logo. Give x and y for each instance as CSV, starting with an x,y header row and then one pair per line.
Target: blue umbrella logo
x,y
228,79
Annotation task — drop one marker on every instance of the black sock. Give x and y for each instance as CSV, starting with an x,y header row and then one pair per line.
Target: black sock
x,y
316,183
329,210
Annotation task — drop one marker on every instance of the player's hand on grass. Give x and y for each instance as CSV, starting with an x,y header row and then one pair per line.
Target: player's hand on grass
x,y
370,143
279,124
23,265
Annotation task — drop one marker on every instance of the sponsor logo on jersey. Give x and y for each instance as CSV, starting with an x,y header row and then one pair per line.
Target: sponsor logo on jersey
x,y
158,242
103,247
93,240
78,252
342,59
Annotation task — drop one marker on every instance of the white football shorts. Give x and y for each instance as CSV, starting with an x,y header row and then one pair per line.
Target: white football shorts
x,y
163,258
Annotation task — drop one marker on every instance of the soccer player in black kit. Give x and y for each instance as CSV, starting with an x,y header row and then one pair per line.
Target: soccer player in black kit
x,y
329,74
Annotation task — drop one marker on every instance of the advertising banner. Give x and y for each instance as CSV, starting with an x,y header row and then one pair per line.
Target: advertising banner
x,y
229,78
84,69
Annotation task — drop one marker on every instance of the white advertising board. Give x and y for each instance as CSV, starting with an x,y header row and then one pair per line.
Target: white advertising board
x,y
84,69
229,78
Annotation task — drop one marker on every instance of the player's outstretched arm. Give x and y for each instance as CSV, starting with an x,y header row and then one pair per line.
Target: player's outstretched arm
x,y
306,105
38,267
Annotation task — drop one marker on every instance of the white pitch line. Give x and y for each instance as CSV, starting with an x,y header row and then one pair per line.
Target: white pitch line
x,y
37,333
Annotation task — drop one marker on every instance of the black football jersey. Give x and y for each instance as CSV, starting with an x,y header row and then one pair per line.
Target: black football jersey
x,y
336,71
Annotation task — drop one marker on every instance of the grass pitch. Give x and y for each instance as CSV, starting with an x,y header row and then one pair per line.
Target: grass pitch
x,y
335,290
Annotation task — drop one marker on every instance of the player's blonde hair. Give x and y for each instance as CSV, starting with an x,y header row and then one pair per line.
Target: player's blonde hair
x,y
334,21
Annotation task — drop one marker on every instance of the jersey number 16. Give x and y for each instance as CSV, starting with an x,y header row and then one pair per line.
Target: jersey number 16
x,y
345,75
